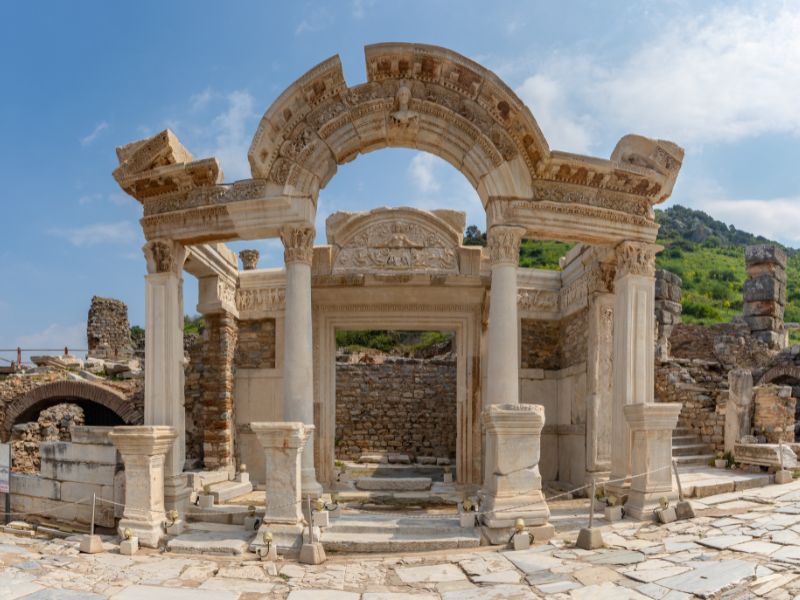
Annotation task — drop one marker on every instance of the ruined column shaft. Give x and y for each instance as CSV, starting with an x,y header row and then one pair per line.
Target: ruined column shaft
x,y
502,373
298,378
634,353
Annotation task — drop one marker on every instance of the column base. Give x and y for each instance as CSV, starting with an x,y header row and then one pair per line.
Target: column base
x,y
286,538
151,534
640,505
309,485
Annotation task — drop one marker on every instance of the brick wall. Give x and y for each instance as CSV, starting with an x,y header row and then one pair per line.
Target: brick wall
x,y
405,405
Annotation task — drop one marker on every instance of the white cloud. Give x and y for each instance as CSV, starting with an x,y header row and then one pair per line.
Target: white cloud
x,y
55,336
315,18
99,128
198,102
421,170
116,198
774,218
548,101
122,232
723,76
359,8
232,133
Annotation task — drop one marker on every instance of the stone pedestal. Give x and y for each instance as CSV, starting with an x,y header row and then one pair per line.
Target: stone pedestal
x,y
651,428
298,380
283,445
512,487
143,449
739,409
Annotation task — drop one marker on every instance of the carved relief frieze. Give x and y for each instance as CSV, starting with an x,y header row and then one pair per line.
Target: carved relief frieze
x,y
204,217
538,300
636,258
260,299
164,256
574,296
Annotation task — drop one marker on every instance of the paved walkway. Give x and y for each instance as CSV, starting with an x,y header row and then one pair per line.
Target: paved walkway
x,y
742,545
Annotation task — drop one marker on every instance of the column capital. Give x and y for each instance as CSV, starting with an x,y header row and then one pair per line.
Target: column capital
x,y
503,243
164,256
637,258
298,243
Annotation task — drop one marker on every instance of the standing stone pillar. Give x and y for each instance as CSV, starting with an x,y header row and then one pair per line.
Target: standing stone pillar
x,y
502,372
634,331
143,449
298,374
512,485
765,294
651,427
164,360
739,409
283,445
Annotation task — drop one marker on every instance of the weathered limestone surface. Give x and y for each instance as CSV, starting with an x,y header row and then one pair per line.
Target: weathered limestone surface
x,y
739,409
765,294
107,330
668,310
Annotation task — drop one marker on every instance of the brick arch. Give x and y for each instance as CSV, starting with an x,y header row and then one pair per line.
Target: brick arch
x,y
782,371
106,397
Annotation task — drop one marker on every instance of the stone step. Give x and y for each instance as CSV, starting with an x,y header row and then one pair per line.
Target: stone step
x,y
397,542
227,514
394,484
213,539
683,440
227,490
692,450
681,431
197,479
422,499
702,459
375,523
357,471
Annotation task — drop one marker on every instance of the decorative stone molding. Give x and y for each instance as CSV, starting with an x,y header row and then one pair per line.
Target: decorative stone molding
x,y
637,258
164,256
249,259
264,299
503,244
392,240
298,243
537,300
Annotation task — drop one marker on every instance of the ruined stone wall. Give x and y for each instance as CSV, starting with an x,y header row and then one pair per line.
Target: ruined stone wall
x,y
193,400
107,330
217,386
667,309
774,414
765,294
405,405
53,425
256,346
554,344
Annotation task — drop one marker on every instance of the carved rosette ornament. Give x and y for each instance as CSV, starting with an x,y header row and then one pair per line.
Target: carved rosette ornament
x,y
298,243
637,258
249,259
164,256
503,244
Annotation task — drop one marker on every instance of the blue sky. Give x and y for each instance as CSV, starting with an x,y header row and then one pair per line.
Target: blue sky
x,y
721,79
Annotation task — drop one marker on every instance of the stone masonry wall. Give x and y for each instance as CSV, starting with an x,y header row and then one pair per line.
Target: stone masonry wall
x,y
554,344
404,405
256,346
765,293
107,330
667,309
774,415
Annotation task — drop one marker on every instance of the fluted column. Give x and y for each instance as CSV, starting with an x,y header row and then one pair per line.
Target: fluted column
x,y
298,373
502,373
164,360
634,332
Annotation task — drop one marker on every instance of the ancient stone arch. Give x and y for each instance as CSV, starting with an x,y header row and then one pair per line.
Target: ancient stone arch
x,y
787,371
110,399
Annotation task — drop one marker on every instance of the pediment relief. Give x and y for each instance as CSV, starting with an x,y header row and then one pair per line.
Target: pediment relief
x,y
395,240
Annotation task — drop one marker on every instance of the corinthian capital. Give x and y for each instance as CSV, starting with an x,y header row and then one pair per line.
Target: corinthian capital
x,y
298,243
164,256
503,243
637,258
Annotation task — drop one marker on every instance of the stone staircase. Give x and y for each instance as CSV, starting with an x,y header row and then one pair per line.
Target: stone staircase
x,y
689,449
370,532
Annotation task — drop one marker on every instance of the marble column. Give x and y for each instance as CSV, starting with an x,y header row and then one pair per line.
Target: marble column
x,y
283,444
164,360
651,428
633,345
502,372
298,373
143,449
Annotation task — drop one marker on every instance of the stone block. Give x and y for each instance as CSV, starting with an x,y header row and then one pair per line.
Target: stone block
x,y
90,434
765,253
34,485
129,547
468,519
521,540
252,523
684,510
72,491
764,323
783,476
613,513
769,308
590,539
764,288
81,472
312,554
321,519
205,500
268,554
91,544
666,515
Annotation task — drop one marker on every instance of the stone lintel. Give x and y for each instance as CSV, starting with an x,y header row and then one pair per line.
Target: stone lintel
x,y
513,418
652,417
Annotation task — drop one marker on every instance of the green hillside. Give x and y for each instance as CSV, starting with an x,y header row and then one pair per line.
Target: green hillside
x,y
707,254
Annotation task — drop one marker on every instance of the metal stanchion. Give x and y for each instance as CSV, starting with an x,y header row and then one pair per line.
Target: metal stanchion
x,y
683,510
